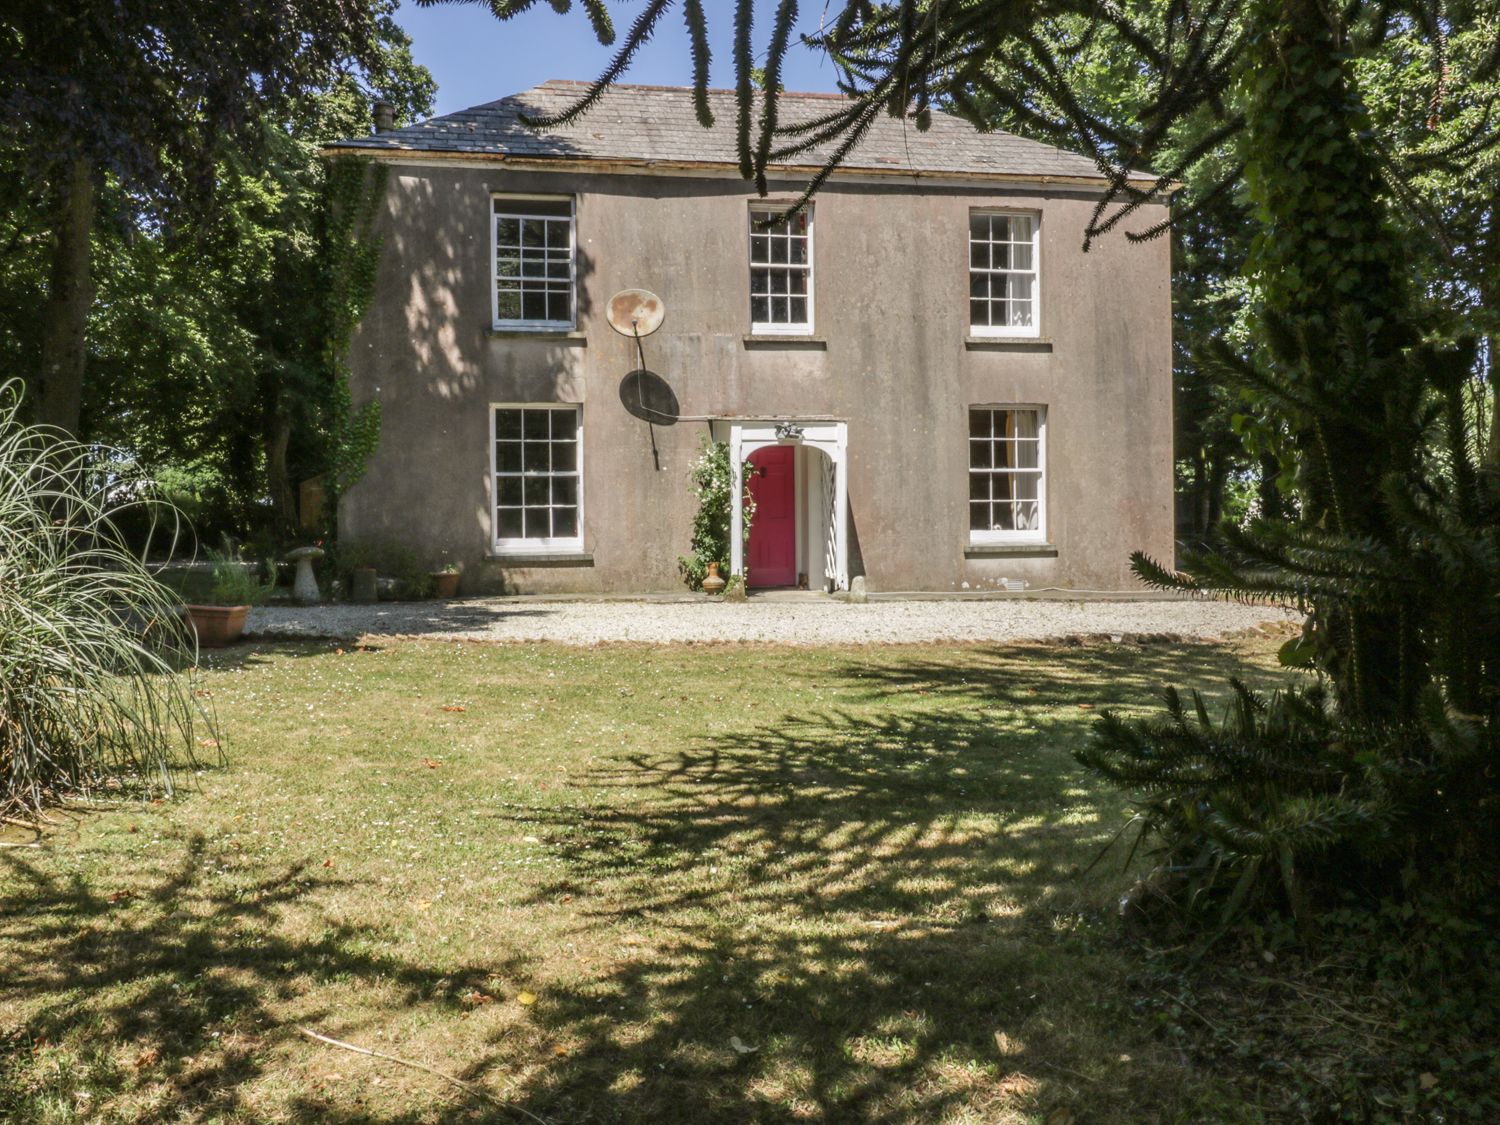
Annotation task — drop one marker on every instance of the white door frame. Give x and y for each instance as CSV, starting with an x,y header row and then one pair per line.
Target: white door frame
x,y
746,435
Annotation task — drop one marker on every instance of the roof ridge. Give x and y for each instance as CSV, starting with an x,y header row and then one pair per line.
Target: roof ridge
x,y
575,82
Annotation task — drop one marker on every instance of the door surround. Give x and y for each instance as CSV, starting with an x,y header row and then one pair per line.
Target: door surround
x,y
829,437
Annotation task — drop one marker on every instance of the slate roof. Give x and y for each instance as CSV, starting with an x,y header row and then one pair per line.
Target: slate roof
x,y
658,124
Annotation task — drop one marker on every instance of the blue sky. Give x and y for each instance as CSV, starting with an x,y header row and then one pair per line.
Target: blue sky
x,y
477,58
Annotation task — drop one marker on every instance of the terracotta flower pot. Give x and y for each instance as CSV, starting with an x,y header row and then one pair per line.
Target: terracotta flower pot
x,y
217,625
444,583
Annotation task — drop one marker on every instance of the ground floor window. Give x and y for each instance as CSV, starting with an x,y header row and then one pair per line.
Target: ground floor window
x,y
1007,473
538,483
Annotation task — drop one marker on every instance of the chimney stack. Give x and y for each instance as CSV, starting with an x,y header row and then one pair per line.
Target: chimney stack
x,y
385,117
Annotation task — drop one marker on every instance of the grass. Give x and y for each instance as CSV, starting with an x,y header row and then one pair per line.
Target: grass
x,y
582,879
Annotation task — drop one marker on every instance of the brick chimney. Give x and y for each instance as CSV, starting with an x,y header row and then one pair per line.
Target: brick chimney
x,y
385,117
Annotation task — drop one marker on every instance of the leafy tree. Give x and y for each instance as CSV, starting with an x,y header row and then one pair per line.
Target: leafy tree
x,y
146,95
208,343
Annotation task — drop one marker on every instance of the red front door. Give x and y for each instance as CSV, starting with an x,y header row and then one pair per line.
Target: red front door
x,y
772,553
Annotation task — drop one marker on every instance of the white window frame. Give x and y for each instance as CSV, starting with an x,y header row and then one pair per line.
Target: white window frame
x,y
1031,535
519,212
515,546
1035,328
757,210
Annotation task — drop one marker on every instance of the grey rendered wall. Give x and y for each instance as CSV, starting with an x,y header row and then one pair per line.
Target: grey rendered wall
x,y
891,308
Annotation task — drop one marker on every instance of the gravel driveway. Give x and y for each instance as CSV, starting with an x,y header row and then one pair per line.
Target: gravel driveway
x,y
802,622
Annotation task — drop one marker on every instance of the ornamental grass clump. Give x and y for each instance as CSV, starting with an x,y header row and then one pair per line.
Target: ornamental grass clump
x,y
91,697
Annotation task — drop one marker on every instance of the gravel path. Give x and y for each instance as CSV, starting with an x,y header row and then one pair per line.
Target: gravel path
x,y
811,622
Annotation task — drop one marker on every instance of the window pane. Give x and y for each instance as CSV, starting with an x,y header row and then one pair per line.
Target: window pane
x,y
533,232
533,305
979,228
799,251
538,457
979,516
797,310
538,523
507,457
509,491
557,234
760,310
564,491
760,281
759,248
564,522
564,456
508,523
507,424
508,304
536,425
507,232
979,423
1020,256
778,251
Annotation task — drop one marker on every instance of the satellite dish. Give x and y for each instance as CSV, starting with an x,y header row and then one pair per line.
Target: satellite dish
x,y
635,312
649,397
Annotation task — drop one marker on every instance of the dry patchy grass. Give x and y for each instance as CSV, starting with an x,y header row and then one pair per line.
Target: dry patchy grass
x,y
680,884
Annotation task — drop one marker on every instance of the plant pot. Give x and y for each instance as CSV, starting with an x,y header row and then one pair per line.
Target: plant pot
x,y
713,583
444,584
217,625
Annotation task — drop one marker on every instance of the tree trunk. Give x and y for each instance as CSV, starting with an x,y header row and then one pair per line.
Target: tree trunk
x,y
1489,300
278,480
70,294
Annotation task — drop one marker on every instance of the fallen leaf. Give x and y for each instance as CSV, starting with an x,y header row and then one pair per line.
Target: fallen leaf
x,y
560,1051
146,1058
455,707
424,905
526,998
211,743
1006,1045
431,763
121,896
132,828
328,863
474,998
739,1046
1427,1080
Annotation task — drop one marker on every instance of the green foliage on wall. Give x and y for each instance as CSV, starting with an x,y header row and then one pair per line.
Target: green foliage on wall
x,y
713,486
349,261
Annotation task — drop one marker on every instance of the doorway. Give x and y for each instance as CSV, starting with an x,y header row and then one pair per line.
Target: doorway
x,y
772,553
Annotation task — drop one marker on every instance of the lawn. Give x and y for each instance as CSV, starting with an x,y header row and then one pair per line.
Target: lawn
x,y
689,884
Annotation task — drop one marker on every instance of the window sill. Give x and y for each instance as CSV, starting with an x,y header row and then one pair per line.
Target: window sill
x,y
541,558
1010,550
1008,343
786,340
551,335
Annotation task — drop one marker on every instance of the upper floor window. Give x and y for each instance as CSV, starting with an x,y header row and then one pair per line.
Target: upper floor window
x,y
534,251
1007,474
781,272
1002,274
538,483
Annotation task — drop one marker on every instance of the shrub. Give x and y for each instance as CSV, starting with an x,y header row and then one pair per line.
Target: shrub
x,y
90,641
710,542
235,580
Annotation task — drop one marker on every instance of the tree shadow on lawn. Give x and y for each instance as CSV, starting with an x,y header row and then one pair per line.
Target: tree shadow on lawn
x,y
185,977
866,901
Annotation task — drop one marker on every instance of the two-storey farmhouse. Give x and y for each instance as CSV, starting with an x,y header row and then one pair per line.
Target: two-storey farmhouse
x,y
933,385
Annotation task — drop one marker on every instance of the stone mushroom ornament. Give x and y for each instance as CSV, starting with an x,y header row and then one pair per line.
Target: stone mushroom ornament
x,y
305,585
